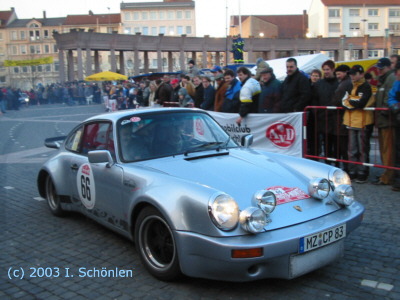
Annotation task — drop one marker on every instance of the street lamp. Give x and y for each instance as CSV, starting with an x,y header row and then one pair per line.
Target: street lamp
x,y
261,34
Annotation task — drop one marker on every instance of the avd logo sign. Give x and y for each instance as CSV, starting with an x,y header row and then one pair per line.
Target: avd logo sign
x,y
282,134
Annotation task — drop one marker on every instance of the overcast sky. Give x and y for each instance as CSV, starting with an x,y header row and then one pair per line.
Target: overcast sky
x,y
210,14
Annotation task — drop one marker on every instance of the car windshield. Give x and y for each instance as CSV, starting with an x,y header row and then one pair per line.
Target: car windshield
x,y
167,134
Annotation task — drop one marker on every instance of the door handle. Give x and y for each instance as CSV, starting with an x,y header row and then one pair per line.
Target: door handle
x,y
74,167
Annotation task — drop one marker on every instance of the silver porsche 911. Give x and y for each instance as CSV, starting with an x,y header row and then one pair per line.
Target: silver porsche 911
x,y
196,203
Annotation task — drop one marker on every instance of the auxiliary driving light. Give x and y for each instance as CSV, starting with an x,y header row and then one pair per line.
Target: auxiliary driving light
x,y
319,188
252,219
265,200
344,194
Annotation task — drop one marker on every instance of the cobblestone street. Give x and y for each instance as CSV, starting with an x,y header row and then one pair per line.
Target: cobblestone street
x,y
57,257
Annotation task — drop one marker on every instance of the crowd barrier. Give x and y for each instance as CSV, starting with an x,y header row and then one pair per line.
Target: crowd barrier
x,y
316,140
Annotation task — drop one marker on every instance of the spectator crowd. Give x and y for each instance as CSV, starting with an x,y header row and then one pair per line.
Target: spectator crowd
x,y
341,134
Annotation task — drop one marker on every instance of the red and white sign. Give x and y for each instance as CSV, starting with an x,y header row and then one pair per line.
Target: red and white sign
x,y
199,126
282,134
285,194
279,133
135,119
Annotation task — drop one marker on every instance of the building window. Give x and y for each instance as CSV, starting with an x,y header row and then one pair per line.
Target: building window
x,y
188,14
31,49
109,29
153,30
23,49
188,29
162,14
48,68
145,15
137,29
373,12
373,26
127,16
24,69
129,64
354,26
354,12
56,66
171,30
34,35
16,70
170,15
334,27
179,15
136,15
154,63
128,30
46,34
163,29
37,49
40,68
46,49
14,35
14,50
373,53
145,30
334,13
55,48
33,69
164,62
394,26
153,15
394,12
179,29
22,35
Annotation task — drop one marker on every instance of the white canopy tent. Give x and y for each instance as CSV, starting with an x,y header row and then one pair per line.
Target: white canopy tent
x,y
305,63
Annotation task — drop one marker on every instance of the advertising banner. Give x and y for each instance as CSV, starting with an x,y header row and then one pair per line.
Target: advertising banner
x,y
280,133
28,62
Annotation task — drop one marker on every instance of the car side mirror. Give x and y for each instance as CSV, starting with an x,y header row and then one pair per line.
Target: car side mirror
x,y
101,156
54,142
247,140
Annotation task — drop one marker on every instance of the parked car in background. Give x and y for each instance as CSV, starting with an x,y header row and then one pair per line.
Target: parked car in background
x,y
197,203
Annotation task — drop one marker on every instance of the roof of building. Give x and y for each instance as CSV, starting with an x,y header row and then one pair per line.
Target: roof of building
x,y
360,2
44,22
187,3
288,25
92,19
4,17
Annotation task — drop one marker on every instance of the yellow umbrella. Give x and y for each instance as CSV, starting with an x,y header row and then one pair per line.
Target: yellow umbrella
x,y
105,76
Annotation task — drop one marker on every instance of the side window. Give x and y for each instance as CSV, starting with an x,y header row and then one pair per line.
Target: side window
x,y
73,143
95,137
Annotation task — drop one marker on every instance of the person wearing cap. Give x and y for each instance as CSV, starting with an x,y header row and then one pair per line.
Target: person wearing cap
x,y
175,89
193,70
357,120
249,94
261,65
386,132
237,49
208,94
271,91
394,107
220,92
216,70
184,99
231,101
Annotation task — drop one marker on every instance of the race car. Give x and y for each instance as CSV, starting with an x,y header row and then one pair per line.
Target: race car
x,y
195,202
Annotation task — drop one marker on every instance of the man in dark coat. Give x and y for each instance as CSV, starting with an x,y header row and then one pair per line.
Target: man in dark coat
x,y
163,93
199,95
231,103
175,90
295,89
271,92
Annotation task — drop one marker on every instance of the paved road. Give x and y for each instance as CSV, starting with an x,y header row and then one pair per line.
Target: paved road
x,y
55,249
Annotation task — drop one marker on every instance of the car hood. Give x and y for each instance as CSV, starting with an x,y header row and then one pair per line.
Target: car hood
x,y
242,172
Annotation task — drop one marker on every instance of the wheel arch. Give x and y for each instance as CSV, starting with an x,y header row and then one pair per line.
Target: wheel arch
x,y
41,182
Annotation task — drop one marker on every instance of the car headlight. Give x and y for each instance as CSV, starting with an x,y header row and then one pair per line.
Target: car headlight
x,y
264,200
338,177
319,188
224,212
344,194
252,219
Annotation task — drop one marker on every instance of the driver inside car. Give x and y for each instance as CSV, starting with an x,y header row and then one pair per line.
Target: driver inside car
x,y
132,147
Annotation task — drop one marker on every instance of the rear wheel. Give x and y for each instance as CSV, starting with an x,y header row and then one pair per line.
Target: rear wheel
x,y
53,199
156,245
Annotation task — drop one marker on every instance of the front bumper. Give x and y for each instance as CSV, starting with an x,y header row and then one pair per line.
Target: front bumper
x,y
210,257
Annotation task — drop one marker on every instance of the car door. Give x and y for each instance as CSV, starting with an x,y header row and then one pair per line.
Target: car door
x,y
97,189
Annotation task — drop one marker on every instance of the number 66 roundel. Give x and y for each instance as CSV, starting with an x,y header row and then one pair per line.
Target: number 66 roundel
x,y
86,187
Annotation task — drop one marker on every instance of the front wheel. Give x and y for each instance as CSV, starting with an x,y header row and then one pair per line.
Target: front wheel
x,y
156,245
53,199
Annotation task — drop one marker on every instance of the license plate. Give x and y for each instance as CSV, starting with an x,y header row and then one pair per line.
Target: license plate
x,y
322,238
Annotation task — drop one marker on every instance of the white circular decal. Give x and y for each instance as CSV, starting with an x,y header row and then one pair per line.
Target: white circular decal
x,y
86,187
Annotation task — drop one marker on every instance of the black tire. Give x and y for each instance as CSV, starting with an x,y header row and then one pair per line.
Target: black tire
x,y
156,245
53,199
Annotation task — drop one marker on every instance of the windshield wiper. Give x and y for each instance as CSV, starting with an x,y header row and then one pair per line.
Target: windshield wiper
x,y
203,146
